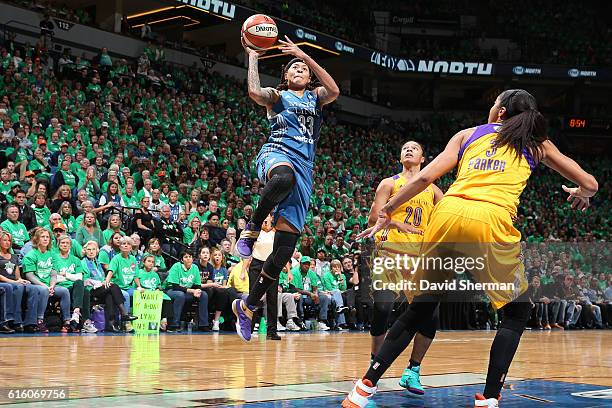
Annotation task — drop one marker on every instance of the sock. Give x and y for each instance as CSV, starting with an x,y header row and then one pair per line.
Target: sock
x,y
396,341
413,363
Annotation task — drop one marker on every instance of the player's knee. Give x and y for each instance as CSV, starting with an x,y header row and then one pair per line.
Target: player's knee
x,y
515,317
396,330
280,182
516,325
381,311
428,330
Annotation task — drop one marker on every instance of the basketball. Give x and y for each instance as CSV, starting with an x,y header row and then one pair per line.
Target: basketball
x,y
259,32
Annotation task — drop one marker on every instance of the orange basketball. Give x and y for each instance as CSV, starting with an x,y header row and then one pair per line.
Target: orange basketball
x,y
259,32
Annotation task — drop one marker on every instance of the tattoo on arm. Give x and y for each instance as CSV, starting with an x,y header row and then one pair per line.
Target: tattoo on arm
x,y
262,96
253,77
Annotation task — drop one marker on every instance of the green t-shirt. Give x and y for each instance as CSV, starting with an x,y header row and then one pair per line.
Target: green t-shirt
x,y
76,249
160,263
132,201
196,214
71,264
17,230
69,179
5,187
42,216
305,281
333,282
70,223
106,255
108,233
185,278
40,264
124,270
282,280
149,280
188,235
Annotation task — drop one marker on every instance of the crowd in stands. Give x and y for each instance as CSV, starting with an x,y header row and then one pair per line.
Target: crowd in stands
x,y
118,176
571,285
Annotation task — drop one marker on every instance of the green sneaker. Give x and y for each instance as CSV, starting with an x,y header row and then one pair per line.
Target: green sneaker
x,y
411,380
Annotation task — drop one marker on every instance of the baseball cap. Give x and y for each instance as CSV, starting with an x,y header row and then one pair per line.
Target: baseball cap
x,y
59,225
305,259
202,203
104,124
321,250
42,141
161,173
29,173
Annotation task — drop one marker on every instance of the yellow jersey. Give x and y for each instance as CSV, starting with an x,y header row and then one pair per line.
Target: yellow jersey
x,y
489,174
241,285
415,211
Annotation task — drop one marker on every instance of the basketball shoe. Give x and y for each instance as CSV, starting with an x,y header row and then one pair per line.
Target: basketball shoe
x,y
360,396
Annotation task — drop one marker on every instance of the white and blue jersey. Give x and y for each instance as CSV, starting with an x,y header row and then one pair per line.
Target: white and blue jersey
x,y
295,124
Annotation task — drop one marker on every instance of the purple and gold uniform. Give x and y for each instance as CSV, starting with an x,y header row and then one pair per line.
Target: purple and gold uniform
x,y
474,219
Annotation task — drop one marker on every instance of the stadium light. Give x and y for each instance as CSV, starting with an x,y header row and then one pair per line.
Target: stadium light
x,y
159,10
193,22
306,43
207,12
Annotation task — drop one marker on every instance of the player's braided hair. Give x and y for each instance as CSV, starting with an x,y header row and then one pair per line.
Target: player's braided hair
x,y
524,128
283,86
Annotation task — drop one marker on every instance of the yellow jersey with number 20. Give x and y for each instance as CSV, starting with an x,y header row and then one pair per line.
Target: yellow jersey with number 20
x,y
415,211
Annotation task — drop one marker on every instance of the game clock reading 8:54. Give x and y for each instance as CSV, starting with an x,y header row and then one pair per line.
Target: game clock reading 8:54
x,y
587,125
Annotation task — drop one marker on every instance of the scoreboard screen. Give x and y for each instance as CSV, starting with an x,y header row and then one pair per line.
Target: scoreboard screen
x,y
589,125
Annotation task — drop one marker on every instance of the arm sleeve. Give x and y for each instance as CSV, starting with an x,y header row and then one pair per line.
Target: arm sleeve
x,y
53,280
32,278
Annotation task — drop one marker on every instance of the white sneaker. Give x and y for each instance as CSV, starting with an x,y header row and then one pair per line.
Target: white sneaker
x,y
322,326
280,327
360,395
88,327
481,401
215,325
292,326
76,317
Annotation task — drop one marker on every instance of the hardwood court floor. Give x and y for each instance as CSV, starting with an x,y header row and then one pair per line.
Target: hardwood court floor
x,y
102,366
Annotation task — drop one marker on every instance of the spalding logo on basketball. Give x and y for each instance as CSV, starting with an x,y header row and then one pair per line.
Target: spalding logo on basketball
x,y
259,32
